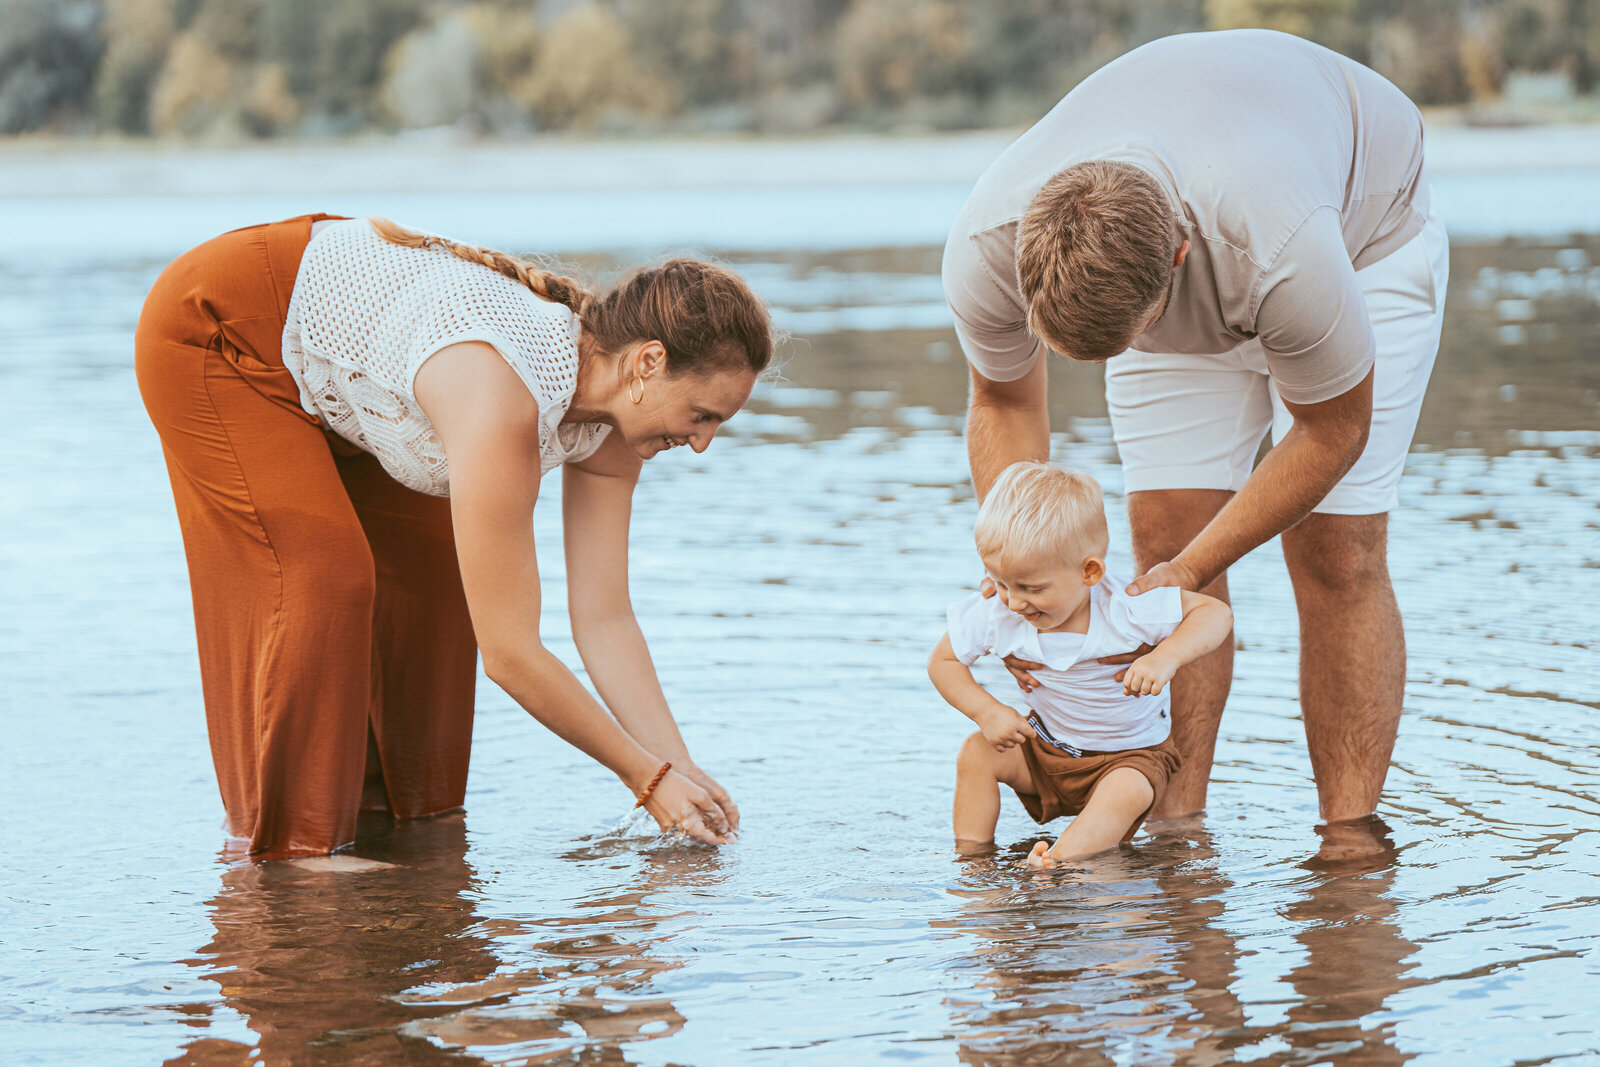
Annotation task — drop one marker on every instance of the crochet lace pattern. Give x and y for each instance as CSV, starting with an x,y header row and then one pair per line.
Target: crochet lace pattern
x,y
366,314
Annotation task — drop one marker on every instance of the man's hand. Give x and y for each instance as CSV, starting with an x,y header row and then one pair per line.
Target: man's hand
x,y
1149,674
1003,728
1018,666
1172,572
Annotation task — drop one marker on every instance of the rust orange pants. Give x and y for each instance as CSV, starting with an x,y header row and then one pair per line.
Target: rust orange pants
x,y
336,654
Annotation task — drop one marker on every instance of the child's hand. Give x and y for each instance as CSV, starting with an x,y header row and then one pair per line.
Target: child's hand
x,y
1039,859
1004,728
1148,674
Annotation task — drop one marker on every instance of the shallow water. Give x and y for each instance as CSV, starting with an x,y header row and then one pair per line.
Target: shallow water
x,y
792,580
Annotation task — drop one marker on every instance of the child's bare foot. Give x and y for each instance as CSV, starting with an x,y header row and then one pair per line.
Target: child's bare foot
x,y
1040,859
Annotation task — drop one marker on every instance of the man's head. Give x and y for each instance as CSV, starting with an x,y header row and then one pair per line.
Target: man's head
x,y
1095,255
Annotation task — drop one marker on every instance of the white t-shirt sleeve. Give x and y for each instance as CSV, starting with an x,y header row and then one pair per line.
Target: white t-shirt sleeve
x,y
1150,617
970,628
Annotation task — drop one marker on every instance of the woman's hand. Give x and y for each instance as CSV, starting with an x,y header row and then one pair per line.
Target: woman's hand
x,y
679,804
719,796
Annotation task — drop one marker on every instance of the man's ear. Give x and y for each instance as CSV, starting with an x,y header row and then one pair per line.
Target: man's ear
x,y
1094,569
649,358
1182,254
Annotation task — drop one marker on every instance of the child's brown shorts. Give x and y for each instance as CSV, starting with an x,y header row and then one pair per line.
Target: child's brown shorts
x,y
1065,782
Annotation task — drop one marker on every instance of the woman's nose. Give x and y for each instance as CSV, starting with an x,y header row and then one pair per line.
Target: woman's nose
x,y
702,440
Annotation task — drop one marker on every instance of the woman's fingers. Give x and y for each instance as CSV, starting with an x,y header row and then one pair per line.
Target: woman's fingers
x,y
728,810
680,804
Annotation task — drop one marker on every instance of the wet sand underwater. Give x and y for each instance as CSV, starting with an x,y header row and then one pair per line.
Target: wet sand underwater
x,y
791,581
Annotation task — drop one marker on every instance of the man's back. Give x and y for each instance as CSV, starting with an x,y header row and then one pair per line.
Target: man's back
x,y
1250,133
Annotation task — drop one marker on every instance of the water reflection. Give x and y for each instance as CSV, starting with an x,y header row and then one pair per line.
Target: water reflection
x,y
1134,959
395,964
578,987
315,960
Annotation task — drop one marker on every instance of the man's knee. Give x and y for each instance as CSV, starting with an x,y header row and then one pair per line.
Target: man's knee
x,y
1164,521
1339,553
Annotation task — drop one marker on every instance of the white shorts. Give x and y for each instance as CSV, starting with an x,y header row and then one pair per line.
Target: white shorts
x,y
1196,421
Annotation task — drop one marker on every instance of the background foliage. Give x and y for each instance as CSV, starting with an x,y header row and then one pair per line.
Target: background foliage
x,y
309,68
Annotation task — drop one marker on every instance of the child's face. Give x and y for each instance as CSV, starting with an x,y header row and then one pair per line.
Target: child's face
x,y
1047,595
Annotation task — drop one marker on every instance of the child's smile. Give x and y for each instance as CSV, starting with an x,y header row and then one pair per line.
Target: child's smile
x,y
1051,597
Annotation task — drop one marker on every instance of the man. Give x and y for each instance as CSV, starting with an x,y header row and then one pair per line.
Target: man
x,y
1238,225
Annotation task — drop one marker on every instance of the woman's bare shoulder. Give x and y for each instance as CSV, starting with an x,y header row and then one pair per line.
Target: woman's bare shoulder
x,y
468,386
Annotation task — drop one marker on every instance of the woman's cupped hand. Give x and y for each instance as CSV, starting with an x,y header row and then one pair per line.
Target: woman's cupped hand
x,y
680,802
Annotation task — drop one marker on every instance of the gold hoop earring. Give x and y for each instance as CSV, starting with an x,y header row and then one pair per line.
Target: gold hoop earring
x,y
640,383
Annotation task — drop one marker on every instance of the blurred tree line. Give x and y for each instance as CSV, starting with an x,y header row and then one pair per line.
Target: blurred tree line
x,y
309,68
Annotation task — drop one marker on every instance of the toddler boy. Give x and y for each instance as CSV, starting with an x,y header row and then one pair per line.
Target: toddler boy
x,y
1091,746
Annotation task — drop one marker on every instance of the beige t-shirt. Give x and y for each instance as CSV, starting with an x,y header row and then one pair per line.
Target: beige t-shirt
x,y
1288,168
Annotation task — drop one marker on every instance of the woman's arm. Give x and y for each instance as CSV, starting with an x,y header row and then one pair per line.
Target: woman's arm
x,y
489,425
597,501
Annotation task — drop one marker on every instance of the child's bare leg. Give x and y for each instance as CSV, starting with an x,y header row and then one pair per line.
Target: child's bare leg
x,y
980,771
1119,798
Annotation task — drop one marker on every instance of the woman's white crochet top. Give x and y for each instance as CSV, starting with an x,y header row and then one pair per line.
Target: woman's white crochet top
x,y
366,314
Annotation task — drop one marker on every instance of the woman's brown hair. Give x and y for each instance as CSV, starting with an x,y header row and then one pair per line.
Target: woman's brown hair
x,y
705,315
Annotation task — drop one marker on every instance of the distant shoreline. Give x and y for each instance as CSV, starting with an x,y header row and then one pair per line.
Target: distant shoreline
x,y
439,162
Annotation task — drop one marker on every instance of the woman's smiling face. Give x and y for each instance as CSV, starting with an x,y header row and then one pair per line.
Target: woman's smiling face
x,y
681,409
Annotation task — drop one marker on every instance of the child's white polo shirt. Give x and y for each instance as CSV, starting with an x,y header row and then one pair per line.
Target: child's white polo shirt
x,y
1079,701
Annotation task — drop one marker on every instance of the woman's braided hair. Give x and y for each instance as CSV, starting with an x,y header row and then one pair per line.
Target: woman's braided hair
x,y
705,316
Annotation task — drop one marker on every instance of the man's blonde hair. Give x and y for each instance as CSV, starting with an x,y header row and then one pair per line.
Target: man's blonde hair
x,y
1094,255
1037,513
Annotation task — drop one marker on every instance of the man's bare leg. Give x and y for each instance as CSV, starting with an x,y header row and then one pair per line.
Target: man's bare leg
x,y
1352,656
1164,521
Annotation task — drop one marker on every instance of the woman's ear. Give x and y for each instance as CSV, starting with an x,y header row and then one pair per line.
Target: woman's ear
x,y
649,358
1094,569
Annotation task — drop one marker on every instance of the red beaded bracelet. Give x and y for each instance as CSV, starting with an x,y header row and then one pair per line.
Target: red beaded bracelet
x,y
651,788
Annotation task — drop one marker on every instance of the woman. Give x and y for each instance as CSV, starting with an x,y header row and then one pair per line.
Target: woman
x,y
321,386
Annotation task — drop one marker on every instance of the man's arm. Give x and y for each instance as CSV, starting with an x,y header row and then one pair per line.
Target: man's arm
x,y
1324,442
1006,422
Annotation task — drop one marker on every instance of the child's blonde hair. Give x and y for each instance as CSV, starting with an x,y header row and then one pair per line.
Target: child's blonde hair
x,y
1039,513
